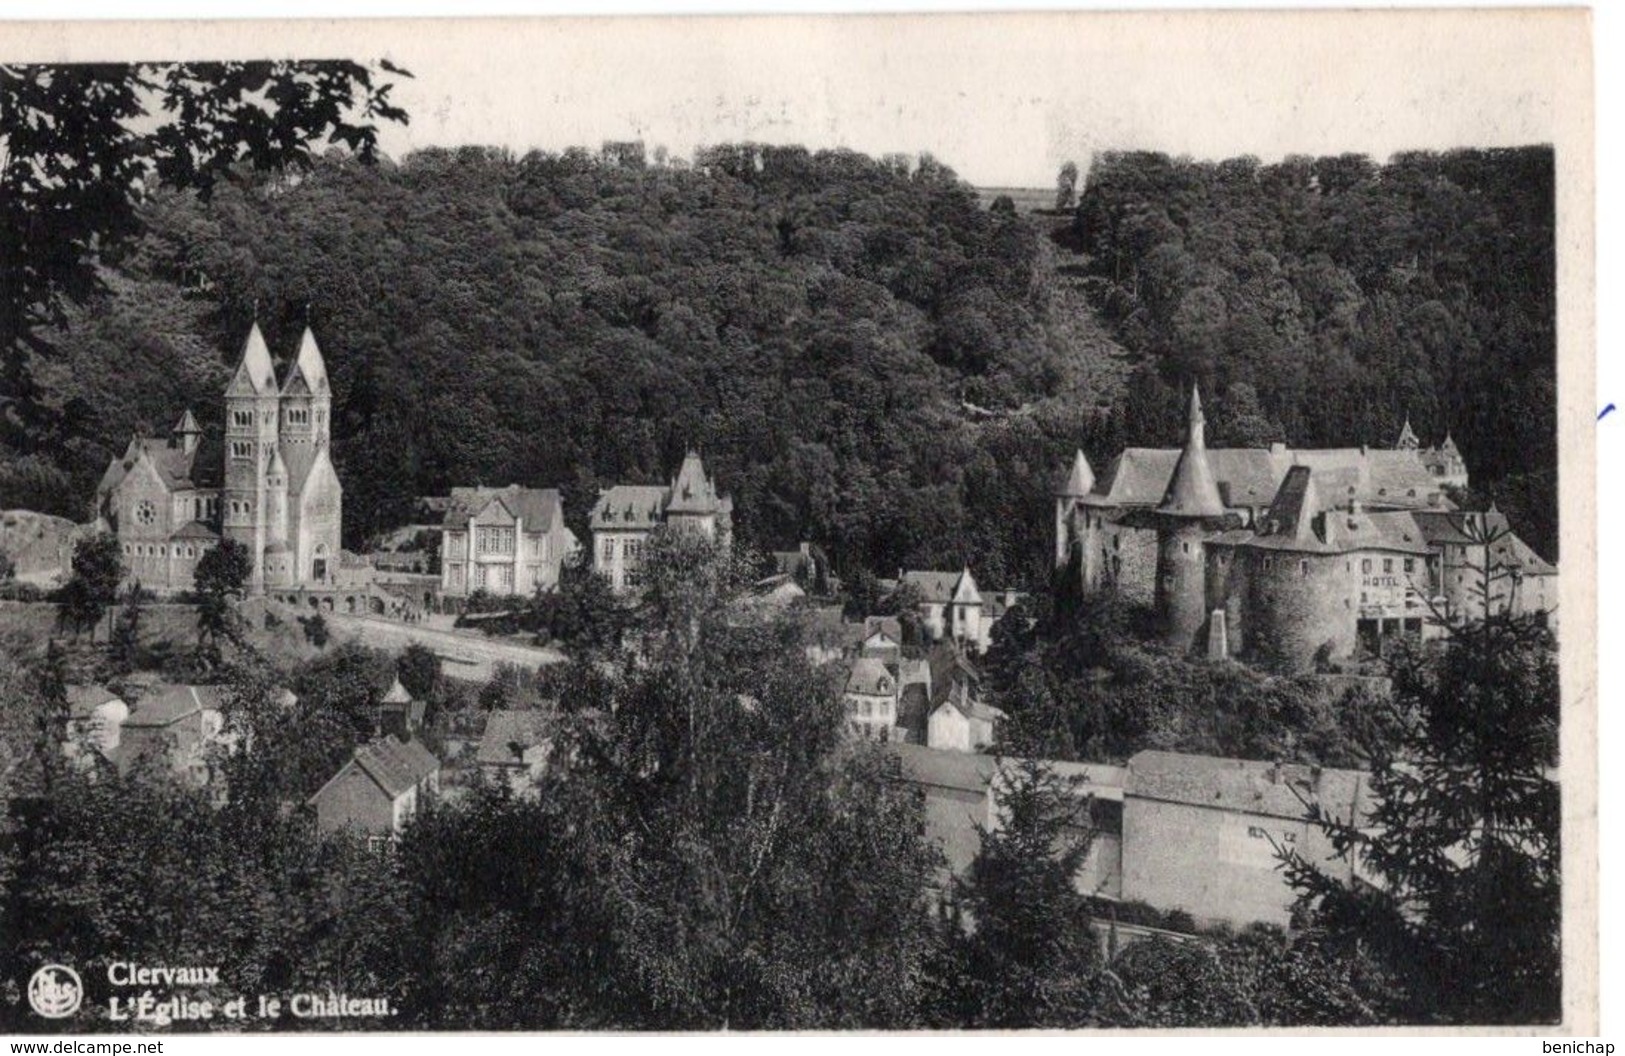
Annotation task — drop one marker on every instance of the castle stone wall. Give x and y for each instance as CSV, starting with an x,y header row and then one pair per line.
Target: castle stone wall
x,y
1295,603
1181,588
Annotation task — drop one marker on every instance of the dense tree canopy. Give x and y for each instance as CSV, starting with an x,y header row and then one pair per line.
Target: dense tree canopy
x,y
82,145
1321,301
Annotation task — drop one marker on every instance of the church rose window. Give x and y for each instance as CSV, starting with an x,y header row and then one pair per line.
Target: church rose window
x,y
145,512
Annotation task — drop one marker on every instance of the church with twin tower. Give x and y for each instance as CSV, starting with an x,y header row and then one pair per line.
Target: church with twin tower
x,y
271,485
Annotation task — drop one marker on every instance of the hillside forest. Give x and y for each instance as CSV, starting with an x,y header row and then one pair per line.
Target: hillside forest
x,y
867,354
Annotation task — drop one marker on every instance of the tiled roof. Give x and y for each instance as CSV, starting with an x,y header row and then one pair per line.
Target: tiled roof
x,y
395,766
942,769
692,491
166,704
890,626
1511,552
541,509
84,700
630,506
1245,786
935,587
506,729
195,530
397,694
870,677
1140,476
960,699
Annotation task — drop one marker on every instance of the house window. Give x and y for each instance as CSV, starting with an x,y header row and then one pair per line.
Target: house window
x,y
1303,568
1186,547
1267,563
1410,564
1387,565
242,449
1365,567
245,419
606,550
493,540
632,552
505,578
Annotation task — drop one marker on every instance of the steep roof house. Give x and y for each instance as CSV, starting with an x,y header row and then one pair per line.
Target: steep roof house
x,y
380,789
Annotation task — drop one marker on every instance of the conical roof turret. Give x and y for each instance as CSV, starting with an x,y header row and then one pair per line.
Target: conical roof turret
x,y
1081,481
1192,491
1407,438
187,424
692,491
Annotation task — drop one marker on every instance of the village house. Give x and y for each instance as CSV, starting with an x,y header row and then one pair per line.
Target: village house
x,y
810,566
961,723
882,639
95,723
625,515
514,749
1195,834
378,791
959,795
510,540
178,728
871,699
1203,834
953,606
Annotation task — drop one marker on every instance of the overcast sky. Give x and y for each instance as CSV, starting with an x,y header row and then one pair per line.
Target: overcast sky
x,y
1003,100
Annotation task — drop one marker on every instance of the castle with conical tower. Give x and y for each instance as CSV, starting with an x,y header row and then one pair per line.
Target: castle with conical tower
x,y
1289,556
270,484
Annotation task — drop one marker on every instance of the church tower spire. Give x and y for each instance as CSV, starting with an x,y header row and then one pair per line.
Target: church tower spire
x,y
251,436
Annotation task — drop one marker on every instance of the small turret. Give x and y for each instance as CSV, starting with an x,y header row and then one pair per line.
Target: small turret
x,y
186,432
1078,484
1407,438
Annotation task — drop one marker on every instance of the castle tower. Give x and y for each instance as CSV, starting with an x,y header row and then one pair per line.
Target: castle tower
x,y
1078,483
186,432
1191,502
251,436
1407,438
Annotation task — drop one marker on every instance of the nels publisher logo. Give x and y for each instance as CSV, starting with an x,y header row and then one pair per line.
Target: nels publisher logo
x,y
55,991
